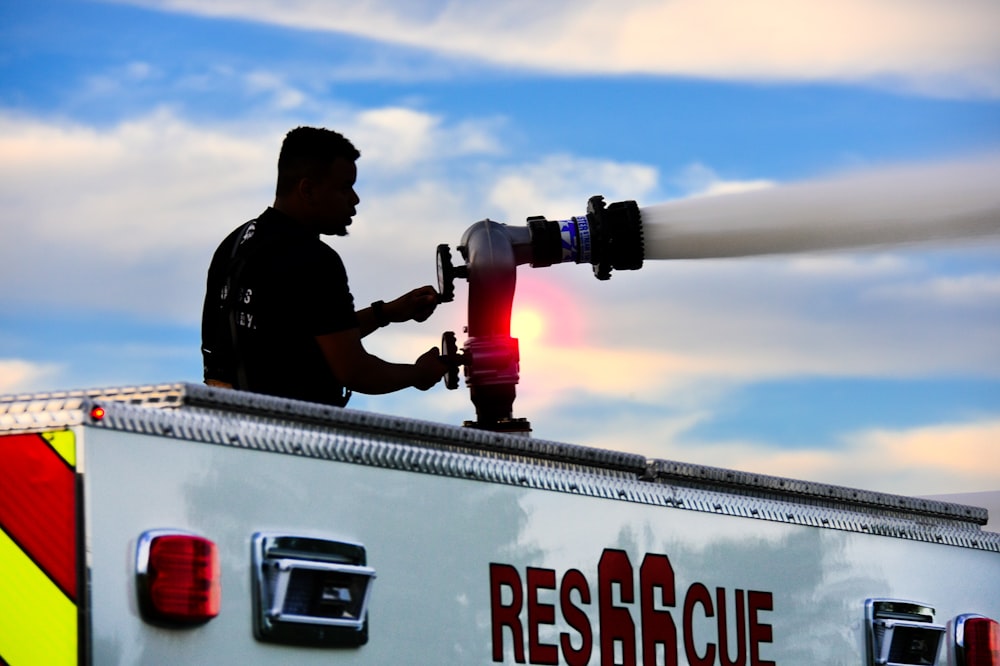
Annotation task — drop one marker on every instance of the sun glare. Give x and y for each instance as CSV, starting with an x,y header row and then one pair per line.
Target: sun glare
x,y
544,314
526,325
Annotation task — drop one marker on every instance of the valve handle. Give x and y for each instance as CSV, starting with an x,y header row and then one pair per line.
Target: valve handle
x,y
446,274
452,358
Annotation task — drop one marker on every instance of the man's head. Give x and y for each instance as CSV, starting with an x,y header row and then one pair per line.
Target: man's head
x,y
316,175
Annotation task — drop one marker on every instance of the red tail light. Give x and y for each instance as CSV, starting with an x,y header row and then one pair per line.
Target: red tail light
x,y
977,641
178,577
982,642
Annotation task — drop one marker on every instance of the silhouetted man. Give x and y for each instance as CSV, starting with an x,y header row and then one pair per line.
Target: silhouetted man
x,y
279,317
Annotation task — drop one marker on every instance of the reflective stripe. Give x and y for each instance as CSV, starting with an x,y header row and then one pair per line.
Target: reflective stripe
x,y
64,443
38,532
37,621
38,505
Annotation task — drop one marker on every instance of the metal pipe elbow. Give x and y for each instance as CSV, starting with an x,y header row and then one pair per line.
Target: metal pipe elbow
x,y
492,252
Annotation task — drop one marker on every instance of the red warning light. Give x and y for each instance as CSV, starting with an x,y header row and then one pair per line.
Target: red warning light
x,y
982,642
97,412
178,578
975,641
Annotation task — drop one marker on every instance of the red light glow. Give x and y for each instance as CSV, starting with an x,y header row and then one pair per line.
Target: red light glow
x,y
545,313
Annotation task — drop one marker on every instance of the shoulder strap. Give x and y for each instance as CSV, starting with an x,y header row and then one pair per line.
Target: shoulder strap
x,y
237,262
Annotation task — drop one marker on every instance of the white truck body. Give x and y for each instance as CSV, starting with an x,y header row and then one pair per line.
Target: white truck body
x,y
485,548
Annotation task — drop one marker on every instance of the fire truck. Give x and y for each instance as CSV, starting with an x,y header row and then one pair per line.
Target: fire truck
x,y
187,524
183,524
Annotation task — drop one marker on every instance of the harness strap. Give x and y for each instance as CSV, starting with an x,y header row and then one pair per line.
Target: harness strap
x,y
233,274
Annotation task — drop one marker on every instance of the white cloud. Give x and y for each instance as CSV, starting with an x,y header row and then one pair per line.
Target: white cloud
x,y
558,186
284,96
399,138
699,180
118,79
944,458
955,291
931,46
141,185
20,376
117,217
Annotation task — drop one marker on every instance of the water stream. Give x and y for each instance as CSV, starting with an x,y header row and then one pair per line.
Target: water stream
x,y
888,207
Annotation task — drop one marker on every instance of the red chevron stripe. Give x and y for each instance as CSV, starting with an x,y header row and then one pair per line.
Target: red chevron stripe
x,y
38,506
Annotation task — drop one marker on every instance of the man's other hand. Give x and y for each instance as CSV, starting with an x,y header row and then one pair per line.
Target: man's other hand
x,y
430,369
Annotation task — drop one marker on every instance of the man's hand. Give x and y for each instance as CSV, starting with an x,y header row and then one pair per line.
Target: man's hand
x,y
430,369
417,305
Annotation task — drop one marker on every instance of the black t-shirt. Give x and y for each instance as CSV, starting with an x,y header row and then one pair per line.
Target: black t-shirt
x,y
287,286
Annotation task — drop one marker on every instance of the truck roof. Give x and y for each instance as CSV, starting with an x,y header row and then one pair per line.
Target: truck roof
x,y
540,463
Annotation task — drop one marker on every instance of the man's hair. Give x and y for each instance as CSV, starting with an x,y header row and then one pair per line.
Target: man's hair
x,y
307,152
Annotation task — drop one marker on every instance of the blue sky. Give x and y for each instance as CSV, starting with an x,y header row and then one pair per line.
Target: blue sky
x,y
135,135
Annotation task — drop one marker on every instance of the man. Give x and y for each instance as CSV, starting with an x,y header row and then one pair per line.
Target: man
x,y
279,316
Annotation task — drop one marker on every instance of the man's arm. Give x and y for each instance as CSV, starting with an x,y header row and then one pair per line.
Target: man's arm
x,y
360,371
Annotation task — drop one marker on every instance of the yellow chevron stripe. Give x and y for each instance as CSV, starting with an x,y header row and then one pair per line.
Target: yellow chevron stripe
x,y
64,442
38,623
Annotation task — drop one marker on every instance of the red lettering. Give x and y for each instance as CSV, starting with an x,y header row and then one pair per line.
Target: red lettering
x,y
657,625
741,632
617,602
616,621
697,594
538,614
576,618
759,633
504,575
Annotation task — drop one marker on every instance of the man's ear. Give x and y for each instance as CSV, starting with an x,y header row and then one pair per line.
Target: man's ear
x,y
305,188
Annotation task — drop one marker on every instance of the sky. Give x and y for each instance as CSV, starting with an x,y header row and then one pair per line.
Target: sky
x,y
135,135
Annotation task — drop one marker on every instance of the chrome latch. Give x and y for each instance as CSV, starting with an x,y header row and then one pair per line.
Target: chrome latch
x,y
310,591
901,633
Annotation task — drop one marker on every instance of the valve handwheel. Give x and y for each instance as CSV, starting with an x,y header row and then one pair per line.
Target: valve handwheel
x,y
445,274
451,358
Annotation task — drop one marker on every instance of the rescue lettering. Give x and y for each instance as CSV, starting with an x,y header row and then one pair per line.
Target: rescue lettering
x,y
724,627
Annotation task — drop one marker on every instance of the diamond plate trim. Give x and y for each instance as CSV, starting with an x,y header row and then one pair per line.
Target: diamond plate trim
x,y
762,485
246,420
393,448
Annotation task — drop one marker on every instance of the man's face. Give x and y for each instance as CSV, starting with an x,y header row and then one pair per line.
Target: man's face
x,y
333,200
